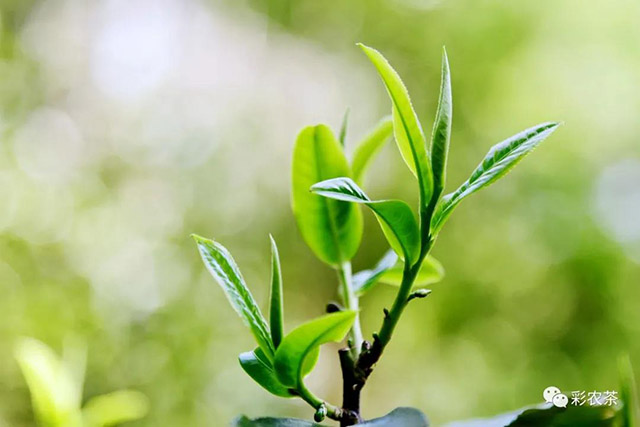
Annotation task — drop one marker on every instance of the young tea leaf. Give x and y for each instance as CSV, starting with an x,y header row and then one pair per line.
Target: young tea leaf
x,y
430,272
115,408
52,387
343,128
406,126
331,228
224,269
442,129
290,357
258,367
395,217
499,160
276,309
363,281
369,147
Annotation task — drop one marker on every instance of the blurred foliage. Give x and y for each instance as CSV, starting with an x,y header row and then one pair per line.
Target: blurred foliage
x,y
125,128
56,384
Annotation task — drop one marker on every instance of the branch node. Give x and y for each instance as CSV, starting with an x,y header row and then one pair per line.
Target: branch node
x,y
321,413
420,293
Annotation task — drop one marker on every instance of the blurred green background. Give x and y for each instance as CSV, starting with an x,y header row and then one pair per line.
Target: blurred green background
x,y
128,125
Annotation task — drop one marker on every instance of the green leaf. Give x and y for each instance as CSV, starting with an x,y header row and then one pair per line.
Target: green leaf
x,y
549,416
258,367
369,147
629,413
343,127
363,281
406,126
244,421
499,160
395,217
430,272
290,356
331,228
54,391
224,269
442,129
276,310
115,408
399,417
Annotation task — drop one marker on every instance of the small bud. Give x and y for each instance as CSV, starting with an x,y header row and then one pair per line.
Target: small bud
x,y
386,312
420,293
320,414
366,345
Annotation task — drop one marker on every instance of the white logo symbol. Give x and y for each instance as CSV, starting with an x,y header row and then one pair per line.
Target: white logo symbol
x,y
560,400
549,392
555,396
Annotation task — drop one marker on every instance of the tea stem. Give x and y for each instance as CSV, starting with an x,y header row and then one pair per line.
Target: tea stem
x,y
350,300
307,395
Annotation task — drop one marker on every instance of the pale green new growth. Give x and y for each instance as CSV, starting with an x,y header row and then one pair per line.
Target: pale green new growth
x,y
276,309
224,269
302,340
395,216
326,198
56,389
333,230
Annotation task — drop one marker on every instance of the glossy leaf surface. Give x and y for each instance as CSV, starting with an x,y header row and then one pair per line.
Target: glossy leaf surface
x,y
225,271
297,345
499,160
406,126
363,281
276,308
430,272
396,218
441,134
258,367
331,228
369,147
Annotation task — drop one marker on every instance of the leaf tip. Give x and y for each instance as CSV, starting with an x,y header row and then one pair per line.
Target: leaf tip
x,y
553,126
274,246
197,238
366,49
